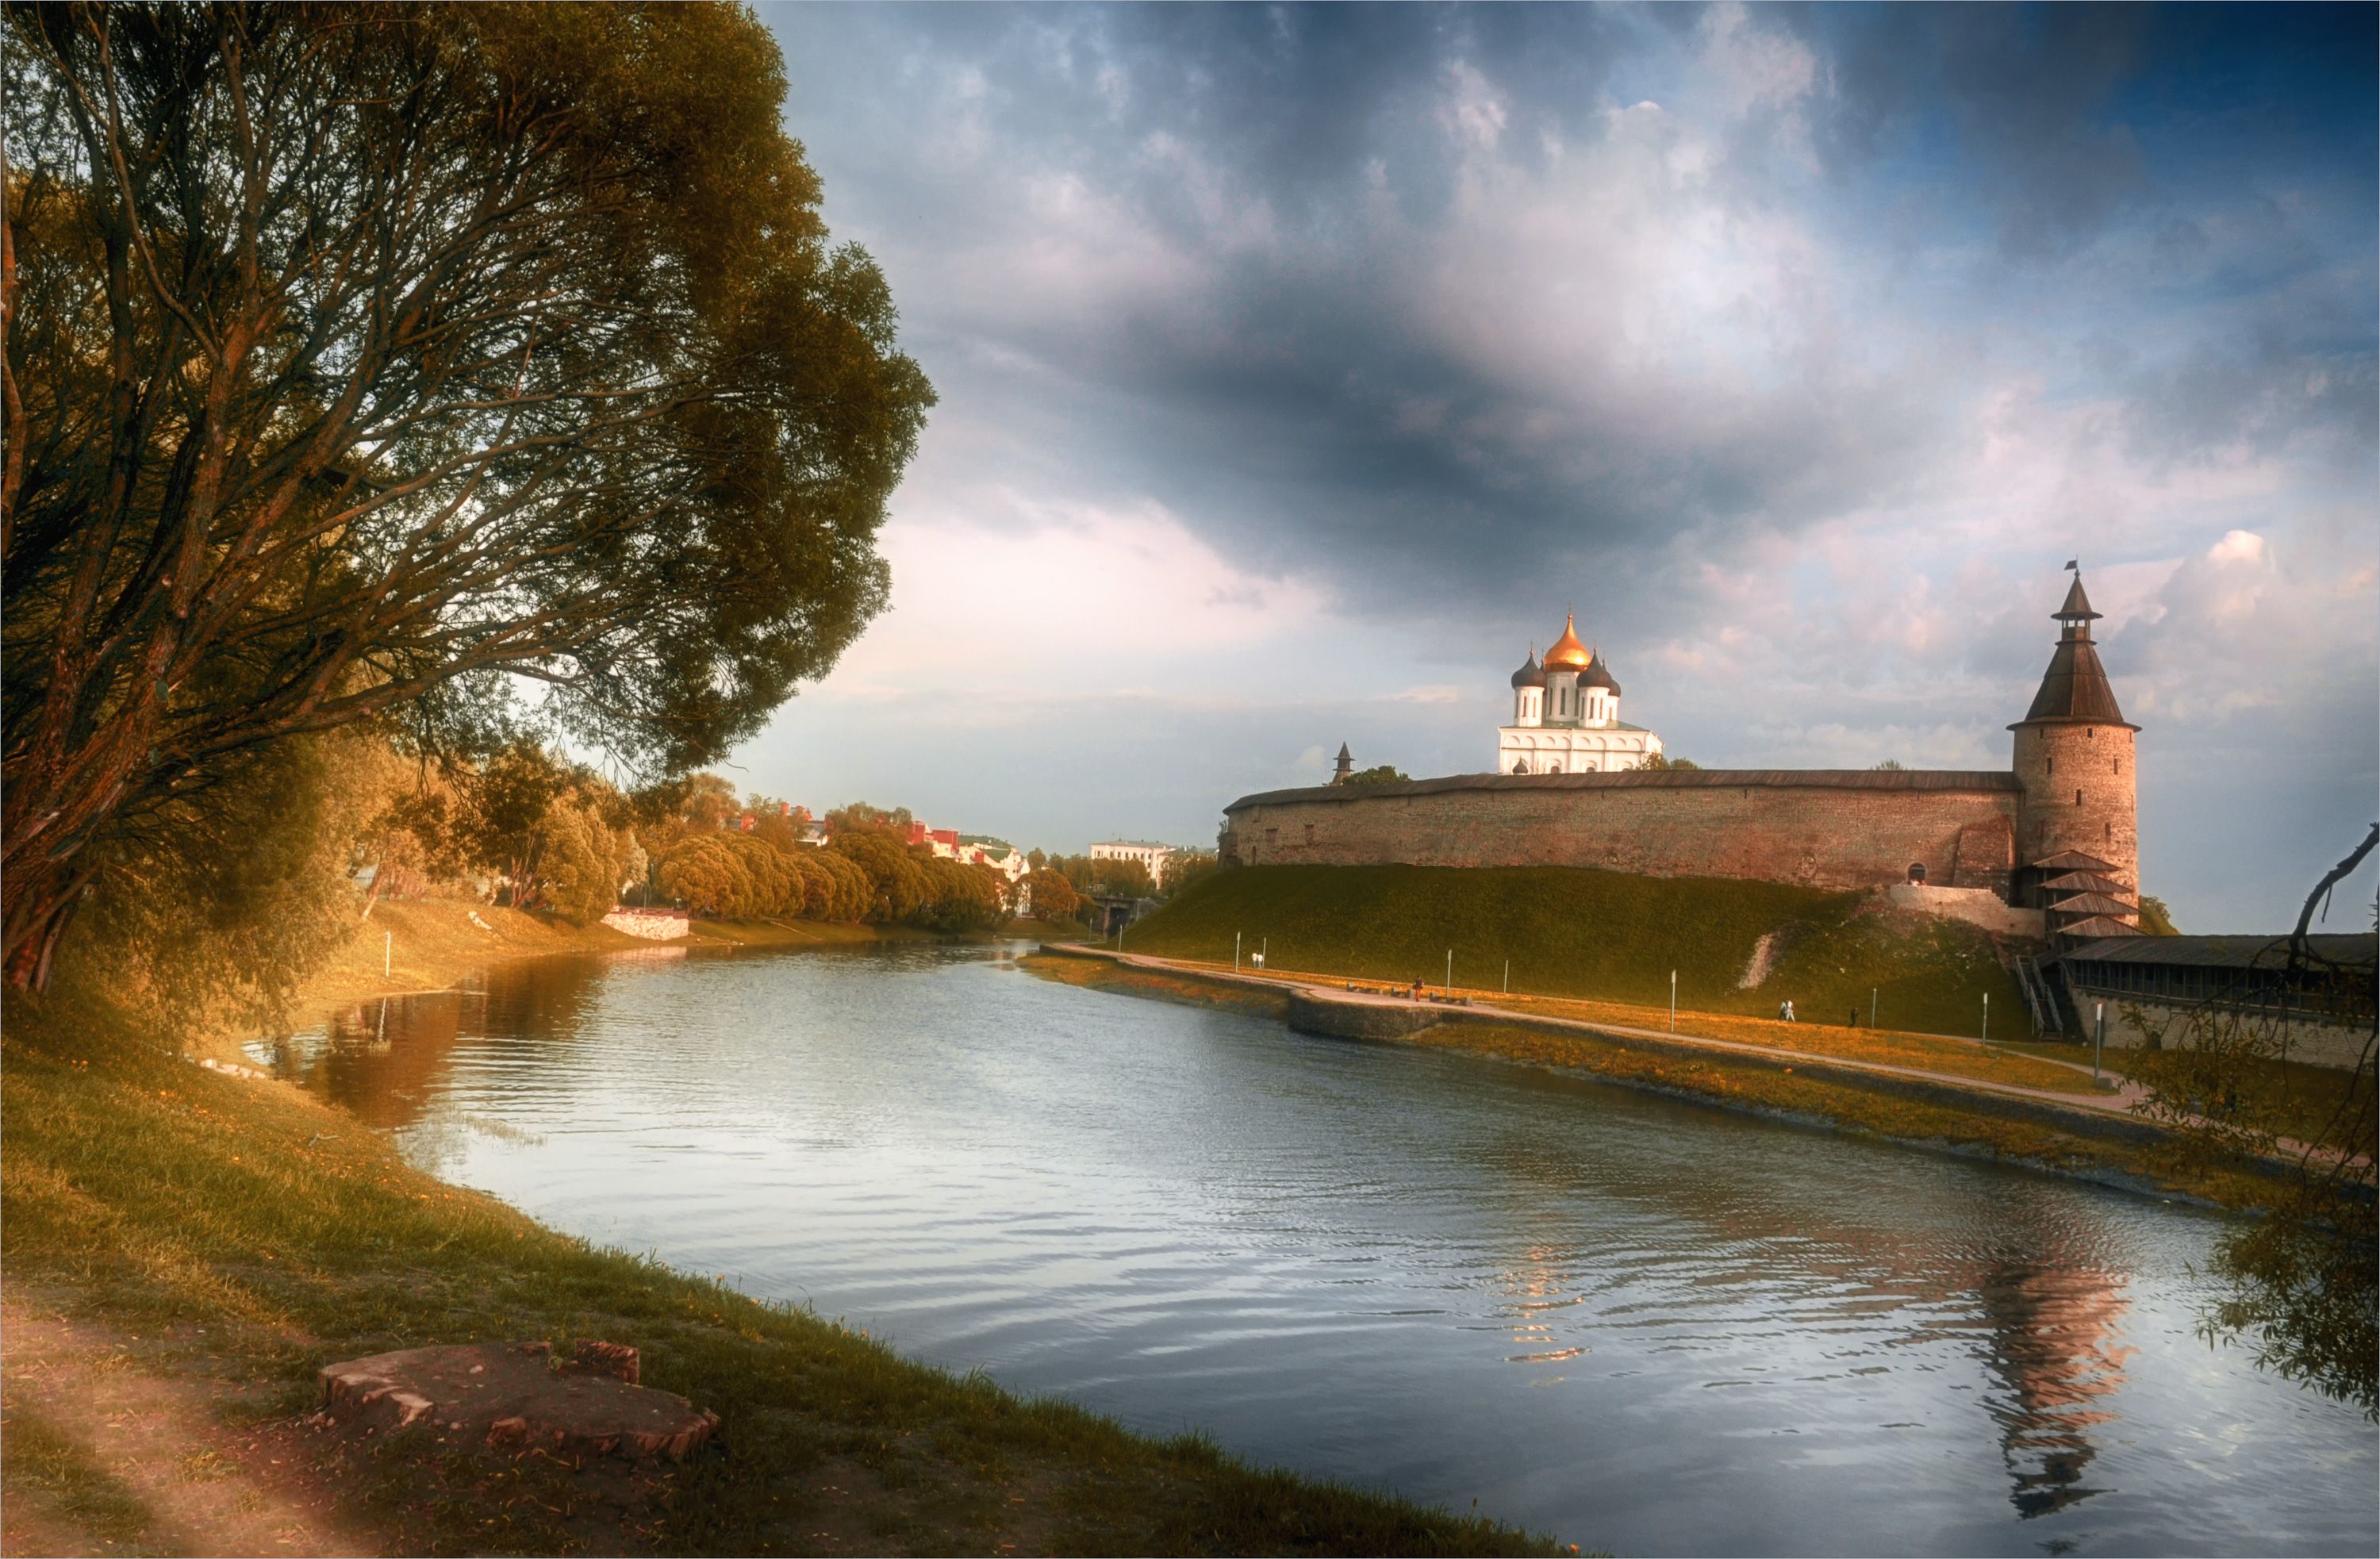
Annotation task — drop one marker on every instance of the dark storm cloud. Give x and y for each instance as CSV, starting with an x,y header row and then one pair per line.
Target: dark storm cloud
x,y
1297,407
2046,105
1312,394
2025,91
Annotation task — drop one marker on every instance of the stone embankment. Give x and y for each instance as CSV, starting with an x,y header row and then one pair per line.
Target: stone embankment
x,y
1316,1008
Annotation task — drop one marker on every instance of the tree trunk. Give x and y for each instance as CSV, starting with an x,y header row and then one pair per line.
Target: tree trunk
x,y
41,899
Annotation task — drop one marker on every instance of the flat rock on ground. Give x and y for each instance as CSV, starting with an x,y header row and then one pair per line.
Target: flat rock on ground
x,y
519,1395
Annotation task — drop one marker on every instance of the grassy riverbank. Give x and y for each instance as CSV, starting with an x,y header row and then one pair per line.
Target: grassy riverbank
x,y
1759,1087
216,1239
1600,935
428,944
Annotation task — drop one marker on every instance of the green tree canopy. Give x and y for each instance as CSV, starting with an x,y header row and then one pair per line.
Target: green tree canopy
x,y
1382,774
860,815
361,358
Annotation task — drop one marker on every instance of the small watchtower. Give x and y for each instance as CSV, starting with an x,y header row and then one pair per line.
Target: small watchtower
x,y
1346,766
2074,753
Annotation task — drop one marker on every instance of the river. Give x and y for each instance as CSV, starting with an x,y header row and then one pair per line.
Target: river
x,y
1637,1323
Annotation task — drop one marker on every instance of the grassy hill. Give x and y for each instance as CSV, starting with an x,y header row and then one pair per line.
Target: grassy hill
x,y
1605,934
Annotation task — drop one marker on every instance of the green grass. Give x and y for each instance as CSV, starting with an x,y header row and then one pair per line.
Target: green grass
x,y
1600,935
2299,1100
47,1467
139,1191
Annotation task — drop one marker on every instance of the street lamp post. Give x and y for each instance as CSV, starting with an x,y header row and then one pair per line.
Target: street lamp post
x,y
1449,972
2098,1036
1235,952
1988,1018
1508,976
1673,1001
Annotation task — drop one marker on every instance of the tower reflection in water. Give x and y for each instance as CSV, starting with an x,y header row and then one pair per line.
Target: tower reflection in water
x,y
2053,1347
2028,1291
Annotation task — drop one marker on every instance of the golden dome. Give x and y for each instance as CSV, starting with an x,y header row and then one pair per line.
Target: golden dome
x,y
1567,650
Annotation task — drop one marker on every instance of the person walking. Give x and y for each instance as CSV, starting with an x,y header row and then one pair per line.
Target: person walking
x,y
1784,1012
1788,1011
1854,1022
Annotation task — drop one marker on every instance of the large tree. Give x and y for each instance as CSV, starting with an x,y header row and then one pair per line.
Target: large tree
x,y
363,360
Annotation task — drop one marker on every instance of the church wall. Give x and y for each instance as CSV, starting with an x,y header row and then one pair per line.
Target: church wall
x,y
1820,829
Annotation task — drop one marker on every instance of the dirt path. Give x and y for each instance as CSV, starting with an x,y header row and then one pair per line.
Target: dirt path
x,y
108,1455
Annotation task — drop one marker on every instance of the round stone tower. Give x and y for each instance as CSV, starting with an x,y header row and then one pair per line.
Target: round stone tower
x,y
2076,811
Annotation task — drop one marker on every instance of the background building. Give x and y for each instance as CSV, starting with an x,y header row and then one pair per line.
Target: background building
x,y
1148,852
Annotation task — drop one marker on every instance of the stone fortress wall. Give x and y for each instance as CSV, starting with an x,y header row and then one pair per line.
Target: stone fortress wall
x,y
1821,827
2055,831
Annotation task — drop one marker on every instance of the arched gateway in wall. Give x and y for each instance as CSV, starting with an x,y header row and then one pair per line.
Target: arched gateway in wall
x,y
2055,831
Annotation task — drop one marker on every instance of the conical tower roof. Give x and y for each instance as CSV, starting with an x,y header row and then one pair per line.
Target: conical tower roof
x,y
2075,688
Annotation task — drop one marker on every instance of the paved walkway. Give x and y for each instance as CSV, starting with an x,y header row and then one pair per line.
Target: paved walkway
x,y
2119,1102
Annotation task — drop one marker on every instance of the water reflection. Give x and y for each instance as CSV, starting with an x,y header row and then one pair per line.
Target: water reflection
x,y
2034,1301
1649,1326
2054,1348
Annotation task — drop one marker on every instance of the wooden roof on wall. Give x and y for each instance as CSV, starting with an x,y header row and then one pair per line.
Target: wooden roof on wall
x,y
1657,779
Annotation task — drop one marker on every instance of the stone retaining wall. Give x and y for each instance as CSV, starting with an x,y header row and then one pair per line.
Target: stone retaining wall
x,y
653,925
1318,1014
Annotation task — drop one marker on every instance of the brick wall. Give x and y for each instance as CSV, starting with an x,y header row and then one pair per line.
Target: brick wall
x,y
2080,794
1827,829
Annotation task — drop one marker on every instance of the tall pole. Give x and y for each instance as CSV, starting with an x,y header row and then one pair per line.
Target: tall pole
x,y
1264,952
1988,1016
1235,952
1508,976
1871,1007
1449,970
387,950
1673,1001
2098,1037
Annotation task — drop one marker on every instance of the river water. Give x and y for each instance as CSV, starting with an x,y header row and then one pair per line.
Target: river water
x,y
1633,1322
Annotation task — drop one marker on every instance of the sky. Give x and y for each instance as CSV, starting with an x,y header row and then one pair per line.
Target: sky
x,y
1299,369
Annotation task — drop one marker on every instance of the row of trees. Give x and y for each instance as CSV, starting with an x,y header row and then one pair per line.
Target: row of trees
x,y
547,835
362,362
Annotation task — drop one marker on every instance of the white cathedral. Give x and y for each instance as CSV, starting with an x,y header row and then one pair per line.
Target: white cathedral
x,y
1566,716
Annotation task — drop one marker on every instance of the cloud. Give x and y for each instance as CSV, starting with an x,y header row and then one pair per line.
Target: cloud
x,y
1297,362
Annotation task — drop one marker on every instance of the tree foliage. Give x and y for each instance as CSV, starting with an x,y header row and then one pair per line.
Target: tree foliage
x,y
2303,1280
584,860
1129,879
859,815
229,906
1187,868
1379,773
1053,897
2155,919
361,358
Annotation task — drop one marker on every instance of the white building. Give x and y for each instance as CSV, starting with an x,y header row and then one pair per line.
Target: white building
x,y
1566,716
1006,859
1147,851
